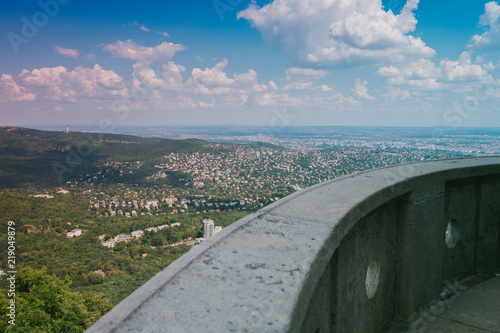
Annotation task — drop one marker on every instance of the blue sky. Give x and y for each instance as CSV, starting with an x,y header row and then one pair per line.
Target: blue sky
x,y
239,62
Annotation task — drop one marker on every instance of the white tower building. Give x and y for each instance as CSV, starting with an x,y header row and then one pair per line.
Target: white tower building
x,y
208,228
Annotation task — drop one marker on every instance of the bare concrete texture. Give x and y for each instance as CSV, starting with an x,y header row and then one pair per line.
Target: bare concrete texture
x,y
476,309
439,325
300,265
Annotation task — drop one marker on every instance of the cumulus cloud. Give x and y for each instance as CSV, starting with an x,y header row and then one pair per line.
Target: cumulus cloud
x,y
211,104
490,18
298,86
169,78
463,69
273,99
213,76
10,91
70,53
424,74
338,32
360,90
153,68
214,81
389,71
301,78
421,73
325,88
422,69
397,94
59,84
129,49
295,72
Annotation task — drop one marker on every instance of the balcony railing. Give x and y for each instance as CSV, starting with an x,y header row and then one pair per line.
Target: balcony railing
x,y
361,253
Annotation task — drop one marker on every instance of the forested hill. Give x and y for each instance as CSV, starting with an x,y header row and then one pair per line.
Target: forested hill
x,y
31,157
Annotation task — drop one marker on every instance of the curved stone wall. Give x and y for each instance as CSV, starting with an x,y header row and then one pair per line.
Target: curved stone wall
x,y
355,254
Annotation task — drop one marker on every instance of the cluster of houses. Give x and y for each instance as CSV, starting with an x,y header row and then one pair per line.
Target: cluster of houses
x,y
114,206
134,234
147,204
74,233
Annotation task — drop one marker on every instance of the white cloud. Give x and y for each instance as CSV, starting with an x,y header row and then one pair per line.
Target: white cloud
x,y
463,69
10,91
207,105
300,78
141,26
389,71
325,88
213,76
298,73
170,76
273,85
490,18
273,99
423,74
397,94
422,84
298,86
70,53
422,69
163,33
214,81
360,90
57,83
131,50
338,32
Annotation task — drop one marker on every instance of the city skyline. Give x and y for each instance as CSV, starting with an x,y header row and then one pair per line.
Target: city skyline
x,y
265,63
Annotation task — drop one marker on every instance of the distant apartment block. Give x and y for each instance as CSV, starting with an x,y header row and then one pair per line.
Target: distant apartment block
x,y
208,228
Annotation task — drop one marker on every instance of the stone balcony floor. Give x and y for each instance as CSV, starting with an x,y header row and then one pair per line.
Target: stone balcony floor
x,y
476,309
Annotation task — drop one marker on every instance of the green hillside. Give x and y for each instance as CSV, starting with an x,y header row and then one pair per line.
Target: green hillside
x,y
36,158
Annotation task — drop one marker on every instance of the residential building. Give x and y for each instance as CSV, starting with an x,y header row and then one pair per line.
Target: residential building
x,y
74,233
208,228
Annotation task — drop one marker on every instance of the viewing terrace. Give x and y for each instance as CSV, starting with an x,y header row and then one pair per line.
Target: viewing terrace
x,y
407,248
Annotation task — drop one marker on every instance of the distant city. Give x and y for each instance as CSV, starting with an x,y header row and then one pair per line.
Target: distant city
x,y
470,141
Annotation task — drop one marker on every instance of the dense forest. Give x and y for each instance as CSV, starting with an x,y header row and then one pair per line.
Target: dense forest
x,y
41,241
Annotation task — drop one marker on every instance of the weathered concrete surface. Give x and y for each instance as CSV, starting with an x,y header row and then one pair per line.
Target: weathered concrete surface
x,y
300,264
476,309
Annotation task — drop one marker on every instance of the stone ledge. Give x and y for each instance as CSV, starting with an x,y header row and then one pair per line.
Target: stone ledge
x,y
260,273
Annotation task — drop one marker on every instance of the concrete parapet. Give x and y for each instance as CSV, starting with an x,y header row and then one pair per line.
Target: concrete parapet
x,y
355,254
